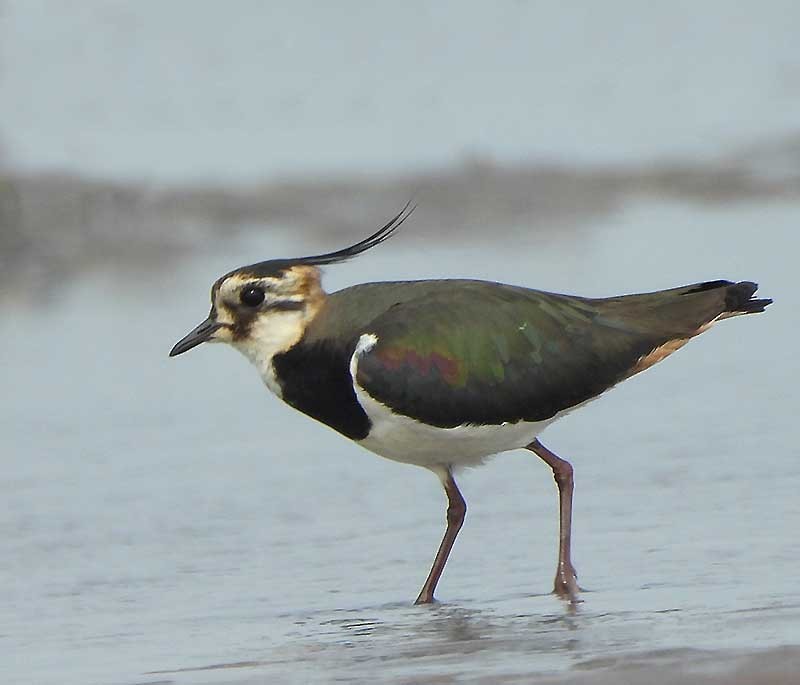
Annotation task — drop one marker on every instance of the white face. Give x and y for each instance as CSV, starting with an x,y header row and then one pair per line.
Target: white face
x,y
260,316
264,316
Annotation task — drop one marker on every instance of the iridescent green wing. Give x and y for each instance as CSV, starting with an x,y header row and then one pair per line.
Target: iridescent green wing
x,y
485,353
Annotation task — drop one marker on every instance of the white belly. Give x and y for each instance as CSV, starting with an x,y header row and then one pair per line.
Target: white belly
x,y
404,439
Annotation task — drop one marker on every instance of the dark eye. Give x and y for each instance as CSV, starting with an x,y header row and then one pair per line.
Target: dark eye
x,y
252,296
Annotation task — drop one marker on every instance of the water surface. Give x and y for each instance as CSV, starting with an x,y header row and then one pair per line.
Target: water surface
x,y
170,521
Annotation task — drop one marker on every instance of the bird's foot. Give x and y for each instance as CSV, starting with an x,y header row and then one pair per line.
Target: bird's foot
x,y
566,584
426,598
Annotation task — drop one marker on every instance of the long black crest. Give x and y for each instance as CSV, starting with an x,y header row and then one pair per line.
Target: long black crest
x,y
368,243
275,265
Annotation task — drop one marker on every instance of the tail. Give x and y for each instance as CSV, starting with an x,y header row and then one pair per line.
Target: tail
x,y
738,297
687,317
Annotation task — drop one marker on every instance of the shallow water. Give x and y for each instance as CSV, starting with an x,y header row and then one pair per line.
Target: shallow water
x,y
169,521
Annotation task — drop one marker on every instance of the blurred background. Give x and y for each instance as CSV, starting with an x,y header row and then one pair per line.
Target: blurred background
x,y
169,521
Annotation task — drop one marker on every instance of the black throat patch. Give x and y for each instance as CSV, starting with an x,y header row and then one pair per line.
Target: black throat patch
x,y
315,379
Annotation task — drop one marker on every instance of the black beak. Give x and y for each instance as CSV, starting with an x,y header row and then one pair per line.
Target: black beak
x,y
199,335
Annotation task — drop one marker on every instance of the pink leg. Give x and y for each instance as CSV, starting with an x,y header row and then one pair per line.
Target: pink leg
x,y
566,582
456,510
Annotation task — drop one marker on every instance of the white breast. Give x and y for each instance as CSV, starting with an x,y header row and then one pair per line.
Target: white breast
x,y
268,337
406,440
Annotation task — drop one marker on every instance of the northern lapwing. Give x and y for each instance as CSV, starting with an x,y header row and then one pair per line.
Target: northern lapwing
x,y
446,373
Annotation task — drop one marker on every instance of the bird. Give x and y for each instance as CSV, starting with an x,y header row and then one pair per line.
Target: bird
x,y
444,374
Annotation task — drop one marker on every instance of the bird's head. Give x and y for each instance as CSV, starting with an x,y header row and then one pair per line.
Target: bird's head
x,y
264,308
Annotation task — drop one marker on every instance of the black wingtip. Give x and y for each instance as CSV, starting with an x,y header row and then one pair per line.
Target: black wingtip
x,y
739,298
754,306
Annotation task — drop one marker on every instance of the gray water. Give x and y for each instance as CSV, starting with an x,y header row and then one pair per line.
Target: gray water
x,y
168,521
168,516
